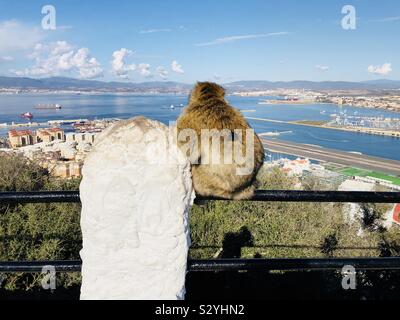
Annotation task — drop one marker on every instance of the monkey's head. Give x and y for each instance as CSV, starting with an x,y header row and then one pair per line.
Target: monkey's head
x,y
206,90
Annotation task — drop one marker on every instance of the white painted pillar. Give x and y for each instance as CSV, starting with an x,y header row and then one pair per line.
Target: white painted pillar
x,y
136,194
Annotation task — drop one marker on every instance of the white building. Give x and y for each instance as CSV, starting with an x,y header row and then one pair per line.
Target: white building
x,y
81,137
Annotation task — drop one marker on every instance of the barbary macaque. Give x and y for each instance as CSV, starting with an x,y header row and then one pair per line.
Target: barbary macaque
x,y
226,167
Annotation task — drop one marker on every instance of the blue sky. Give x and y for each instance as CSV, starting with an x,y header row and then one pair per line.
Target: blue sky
x,y
201,40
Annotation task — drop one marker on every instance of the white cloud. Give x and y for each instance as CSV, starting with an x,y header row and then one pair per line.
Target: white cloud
x,y
387,19
87,66
123,70
217,77
61,58
64,27
153,31
382,70
162,72
6,58
61,48
15,36
322,67
176,67
144,69
231,39
119,65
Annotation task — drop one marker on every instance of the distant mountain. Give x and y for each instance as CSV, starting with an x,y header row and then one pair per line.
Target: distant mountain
x,y
324,85
389,84
14,82
62,83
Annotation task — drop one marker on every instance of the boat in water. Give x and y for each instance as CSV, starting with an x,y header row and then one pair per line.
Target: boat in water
x,y
273,133
27,115
173,107
48,106
356,152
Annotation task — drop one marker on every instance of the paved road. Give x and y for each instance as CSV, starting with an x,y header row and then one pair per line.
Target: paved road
x,y
335,156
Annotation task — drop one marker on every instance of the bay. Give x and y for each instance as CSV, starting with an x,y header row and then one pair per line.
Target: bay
x,y
158,107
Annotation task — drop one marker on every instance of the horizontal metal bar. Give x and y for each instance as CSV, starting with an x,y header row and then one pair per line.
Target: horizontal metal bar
x,y
260,195
37,266
229,264
293,264
39,197
322,196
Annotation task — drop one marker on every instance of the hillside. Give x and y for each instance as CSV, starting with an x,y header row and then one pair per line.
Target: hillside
x,y
62,83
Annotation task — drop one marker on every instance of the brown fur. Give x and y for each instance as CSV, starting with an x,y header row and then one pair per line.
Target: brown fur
x,y
208,109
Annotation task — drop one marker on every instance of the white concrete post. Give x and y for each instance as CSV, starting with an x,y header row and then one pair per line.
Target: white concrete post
x,y
136,193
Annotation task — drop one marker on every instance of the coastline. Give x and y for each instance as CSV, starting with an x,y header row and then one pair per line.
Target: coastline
x,y
293,103
318,124
181,93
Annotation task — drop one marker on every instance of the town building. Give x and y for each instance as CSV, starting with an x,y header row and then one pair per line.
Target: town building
x,y
49,135
21,138
48,148
88,137
67,170
296,167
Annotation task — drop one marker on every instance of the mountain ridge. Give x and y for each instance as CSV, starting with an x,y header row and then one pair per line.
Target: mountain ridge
x,y
64,83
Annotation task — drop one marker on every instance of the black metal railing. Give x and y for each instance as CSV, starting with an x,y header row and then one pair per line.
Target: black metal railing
x,y
228,264
260,195
392,263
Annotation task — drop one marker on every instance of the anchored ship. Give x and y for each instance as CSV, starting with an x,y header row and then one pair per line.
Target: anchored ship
x,y
48,106
27,115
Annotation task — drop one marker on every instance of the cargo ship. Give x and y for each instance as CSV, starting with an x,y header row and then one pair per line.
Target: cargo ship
x,y
48,106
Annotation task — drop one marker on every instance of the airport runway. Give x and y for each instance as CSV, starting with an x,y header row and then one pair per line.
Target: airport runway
x,y
335,156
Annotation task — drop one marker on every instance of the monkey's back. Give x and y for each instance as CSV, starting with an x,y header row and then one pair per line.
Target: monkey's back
x,y
220,179
212,114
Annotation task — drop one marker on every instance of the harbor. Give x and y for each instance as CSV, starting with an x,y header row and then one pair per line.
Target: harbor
x,y
14,125
327,125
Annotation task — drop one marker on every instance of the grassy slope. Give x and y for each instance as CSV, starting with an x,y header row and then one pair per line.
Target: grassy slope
x,y
281,229
243,229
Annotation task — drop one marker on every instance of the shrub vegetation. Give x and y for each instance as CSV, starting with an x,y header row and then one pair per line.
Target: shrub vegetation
x,y
218,229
